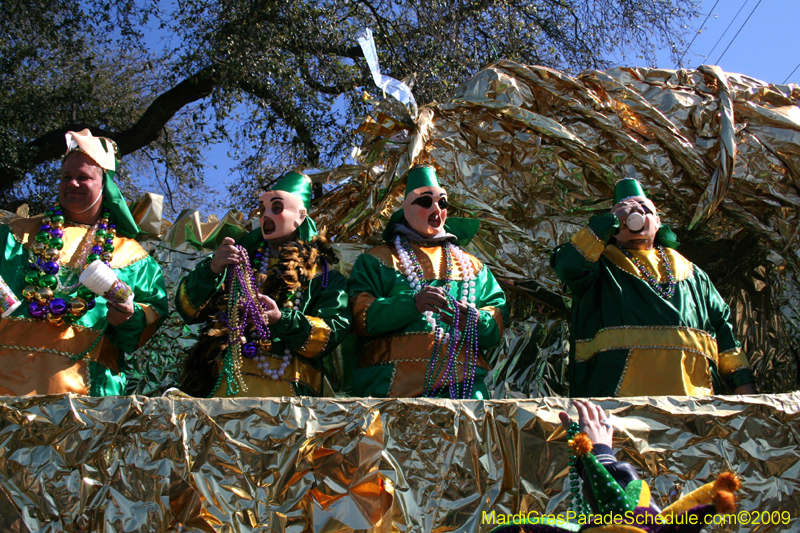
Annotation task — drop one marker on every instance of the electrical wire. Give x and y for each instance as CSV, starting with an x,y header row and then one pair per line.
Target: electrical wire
x,y
790,74
737,33
678,64
726,30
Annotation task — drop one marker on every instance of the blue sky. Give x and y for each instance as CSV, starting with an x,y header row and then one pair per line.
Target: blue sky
x,y
764,48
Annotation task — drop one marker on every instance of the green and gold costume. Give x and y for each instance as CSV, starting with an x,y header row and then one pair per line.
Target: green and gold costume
x,y
626,340
36,354
395,341
311,331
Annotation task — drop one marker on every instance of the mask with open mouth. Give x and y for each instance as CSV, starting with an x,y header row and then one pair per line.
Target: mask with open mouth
x,y
425,210
281,213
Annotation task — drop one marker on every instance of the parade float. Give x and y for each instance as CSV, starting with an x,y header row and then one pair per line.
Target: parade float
x,y
532,152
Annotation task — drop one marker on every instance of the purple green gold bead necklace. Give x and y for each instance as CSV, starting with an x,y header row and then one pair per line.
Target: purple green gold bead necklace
x,y
442,372
43,280
651,278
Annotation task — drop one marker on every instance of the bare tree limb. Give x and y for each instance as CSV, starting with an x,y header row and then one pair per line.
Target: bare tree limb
x,y
143,132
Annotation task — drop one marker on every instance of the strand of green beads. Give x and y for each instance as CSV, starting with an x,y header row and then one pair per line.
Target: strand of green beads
x,y
80,356
579,505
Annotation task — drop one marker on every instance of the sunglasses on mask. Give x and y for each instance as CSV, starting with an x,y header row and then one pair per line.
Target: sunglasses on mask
x,y
426,201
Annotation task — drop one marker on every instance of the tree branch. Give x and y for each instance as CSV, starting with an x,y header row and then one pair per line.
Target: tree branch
x,y
290,114
143,132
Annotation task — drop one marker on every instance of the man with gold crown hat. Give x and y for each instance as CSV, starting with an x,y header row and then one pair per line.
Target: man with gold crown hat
x,y
645,320
66,338
273,306
425,310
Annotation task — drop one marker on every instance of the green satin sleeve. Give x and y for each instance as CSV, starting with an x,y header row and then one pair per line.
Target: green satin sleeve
x,y
322,324
147,282
719,317
106,383
718,313
741,377
490,323
576,262
196,290
393,307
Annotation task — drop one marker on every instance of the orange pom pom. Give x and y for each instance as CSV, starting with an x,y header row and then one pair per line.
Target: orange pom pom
x,y
725,502
727,481
581,445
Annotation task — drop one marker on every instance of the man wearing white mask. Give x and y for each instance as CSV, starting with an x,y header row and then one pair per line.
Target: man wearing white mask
x,y
645,320
425,309
273,307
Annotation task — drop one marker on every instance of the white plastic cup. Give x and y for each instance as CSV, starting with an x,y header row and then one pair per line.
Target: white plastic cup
x,y
101,280
635,222
8,300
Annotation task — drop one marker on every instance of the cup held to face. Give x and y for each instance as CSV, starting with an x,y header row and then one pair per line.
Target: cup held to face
x,y
635,222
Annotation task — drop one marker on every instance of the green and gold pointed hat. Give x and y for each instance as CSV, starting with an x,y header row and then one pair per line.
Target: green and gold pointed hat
x,y
610,496
425,176
104,152
299,184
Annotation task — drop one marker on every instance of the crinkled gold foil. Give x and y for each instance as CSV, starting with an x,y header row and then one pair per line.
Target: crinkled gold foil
x,y
137,464
534,153
147,214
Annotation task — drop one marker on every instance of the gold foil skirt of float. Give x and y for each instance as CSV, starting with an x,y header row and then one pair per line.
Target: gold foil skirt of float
x,y
533,153
136,464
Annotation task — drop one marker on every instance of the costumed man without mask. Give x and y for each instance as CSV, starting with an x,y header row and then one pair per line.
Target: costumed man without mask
x,y
425,310
65,338
645,320
274,308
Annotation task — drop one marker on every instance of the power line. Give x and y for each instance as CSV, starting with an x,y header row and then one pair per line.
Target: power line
x,y
737,33
790,75
726,30
678,64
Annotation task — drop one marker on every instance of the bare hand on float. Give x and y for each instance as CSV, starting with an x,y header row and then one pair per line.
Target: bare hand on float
x,y
432,299
116,313
226,254
272,311
592,421
745,389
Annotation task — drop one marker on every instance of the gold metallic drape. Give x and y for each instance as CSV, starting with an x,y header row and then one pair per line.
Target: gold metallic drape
x,y
136,464
534,153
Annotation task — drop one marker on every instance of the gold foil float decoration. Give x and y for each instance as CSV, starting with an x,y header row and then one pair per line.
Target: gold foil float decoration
x,y
533,153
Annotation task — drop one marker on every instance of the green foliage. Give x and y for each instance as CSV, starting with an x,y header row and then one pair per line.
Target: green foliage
x,y
279,82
